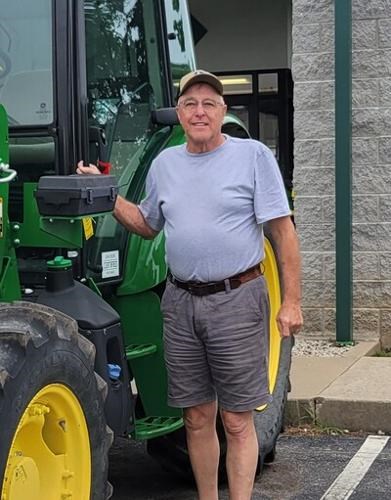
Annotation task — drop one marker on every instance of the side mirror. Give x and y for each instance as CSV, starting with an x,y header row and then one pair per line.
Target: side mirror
x,y
165,116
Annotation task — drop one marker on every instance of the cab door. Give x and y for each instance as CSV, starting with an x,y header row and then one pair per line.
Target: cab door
x,y
126,79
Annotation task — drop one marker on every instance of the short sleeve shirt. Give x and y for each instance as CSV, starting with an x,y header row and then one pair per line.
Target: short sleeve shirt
x,y
212,206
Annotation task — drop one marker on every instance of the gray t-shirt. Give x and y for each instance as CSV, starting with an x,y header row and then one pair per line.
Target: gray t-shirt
x,y
212,206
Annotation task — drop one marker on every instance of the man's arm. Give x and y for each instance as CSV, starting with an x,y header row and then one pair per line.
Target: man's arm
x,y
127,213
289,317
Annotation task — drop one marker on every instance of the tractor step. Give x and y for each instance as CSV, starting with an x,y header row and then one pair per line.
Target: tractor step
x,y
138,350
151,427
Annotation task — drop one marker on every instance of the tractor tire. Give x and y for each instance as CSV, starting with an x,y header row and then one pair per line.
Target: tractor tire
x,y
171,450
269,421
53,433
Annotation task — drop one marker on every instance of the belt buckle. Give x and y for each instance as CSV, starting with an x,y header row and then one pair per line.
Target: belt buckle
x,y
196,290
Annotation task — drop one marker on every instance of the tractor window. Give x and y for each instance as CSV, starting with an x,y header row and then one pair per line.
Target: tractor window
x,y
180,42
26,87
123,75
124,84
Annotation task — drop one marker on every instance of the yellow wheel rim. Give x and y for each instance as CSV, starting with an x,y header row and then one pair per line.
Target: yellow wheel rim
x,y
273,284
50,457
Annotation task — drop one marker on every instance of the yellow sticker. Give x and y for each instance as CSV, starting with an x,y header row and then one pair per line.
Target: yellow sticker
x,y
88,227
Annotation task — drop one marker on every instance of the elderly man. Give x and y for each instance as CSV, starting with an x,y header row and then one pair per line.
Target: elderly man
x,y
211,197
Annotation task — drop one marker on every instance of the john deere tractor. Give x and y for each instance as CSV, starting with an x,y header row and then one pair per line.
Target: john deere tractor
x,y
81,354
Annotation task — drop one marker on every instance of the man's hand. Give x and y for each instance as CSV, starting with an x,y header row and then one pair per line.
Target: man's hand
x,y
91,169
289,319
127,213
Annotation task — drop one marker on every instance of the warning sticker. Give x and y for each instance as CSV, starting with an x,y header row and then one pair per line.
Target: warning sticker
x,y
110,264
88,228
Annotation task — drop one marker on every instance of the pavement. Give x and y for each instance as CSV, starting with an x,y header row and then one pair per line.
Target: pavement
x,y
351,391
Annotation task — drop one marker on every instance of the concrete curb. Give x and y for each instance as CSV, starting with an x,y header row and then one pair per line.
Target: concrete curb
x,y
350,392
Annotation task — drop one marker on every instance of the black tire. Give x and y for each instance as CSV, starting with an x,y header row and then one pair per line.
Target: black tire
x,y
171,452
41,349
269,422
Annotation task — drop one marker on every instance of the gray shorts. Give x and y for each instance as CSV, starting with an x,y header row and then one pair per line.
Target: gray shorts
x,y
216,346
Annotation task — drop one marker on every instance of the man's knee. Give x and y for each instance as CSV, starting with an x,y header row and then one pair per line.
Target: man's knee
x,y
238,425
200,417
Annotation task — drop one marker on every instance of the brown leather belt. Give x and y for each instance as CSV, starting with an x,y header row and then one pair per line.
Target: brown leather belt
x,y
200,289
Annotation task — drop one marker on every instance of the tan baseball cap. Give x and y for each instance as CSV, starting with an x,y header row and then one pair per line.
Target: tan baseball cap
x,y
199,76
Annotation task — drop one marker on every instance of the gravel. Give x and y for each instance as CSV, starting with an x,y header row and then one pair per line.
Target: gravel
x,y
319,348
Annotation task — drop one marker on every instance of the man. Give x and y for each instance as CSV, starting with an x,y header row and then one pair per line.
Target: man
x,y
211,197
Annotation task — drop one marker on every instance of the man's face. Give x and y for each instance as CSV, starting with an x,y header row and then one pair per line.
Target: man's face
x,y
201,112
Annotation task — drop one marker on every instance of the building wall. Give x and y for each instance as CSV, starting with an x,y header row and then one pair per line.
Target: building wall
x,y
250,34
313,74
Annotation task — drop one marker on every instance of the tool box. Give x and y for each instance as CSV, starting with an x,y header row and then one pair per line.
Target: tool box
x,y
76,195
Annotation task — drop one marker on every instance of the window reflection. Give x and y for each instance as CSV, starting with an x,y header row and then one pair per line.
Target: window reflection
x,y
268,131
123,74
242,113
26,62
180,43
268,83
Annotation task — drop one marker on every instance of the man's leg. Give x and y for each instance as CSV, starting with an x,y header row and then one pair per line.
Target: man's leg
x,y
242,453
203,446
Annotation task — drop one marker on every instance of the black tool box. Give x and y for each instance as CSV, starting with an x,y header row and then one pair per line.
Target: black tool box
x,y
76,195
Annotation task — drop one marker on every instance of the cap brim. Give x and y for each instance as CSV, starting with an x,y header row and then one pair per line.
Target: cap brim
x,y
209,79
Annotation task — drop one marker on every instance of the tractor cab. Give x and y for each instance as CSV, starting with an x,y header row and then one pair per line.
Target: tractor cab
x,y
83,80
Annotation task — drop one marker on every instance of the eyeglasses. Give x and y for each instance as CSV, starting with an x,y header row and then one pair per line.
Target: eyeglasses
x,y
208,105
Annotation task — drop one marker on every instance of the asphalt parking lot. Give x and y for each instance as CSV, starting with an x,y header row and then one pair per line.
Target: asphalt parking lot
x,y
306,467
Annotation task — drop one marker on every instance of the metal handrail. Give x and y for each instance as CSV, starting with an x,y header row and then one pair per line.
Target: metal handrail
x,y
4,168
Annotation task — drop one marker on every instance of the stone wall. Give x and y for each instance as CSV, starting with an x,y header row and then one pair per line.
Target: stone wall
x,y
313,74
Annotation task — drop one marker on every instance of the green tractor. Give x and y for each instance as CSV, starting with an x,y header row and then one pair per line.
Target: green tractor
x,y
81,357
